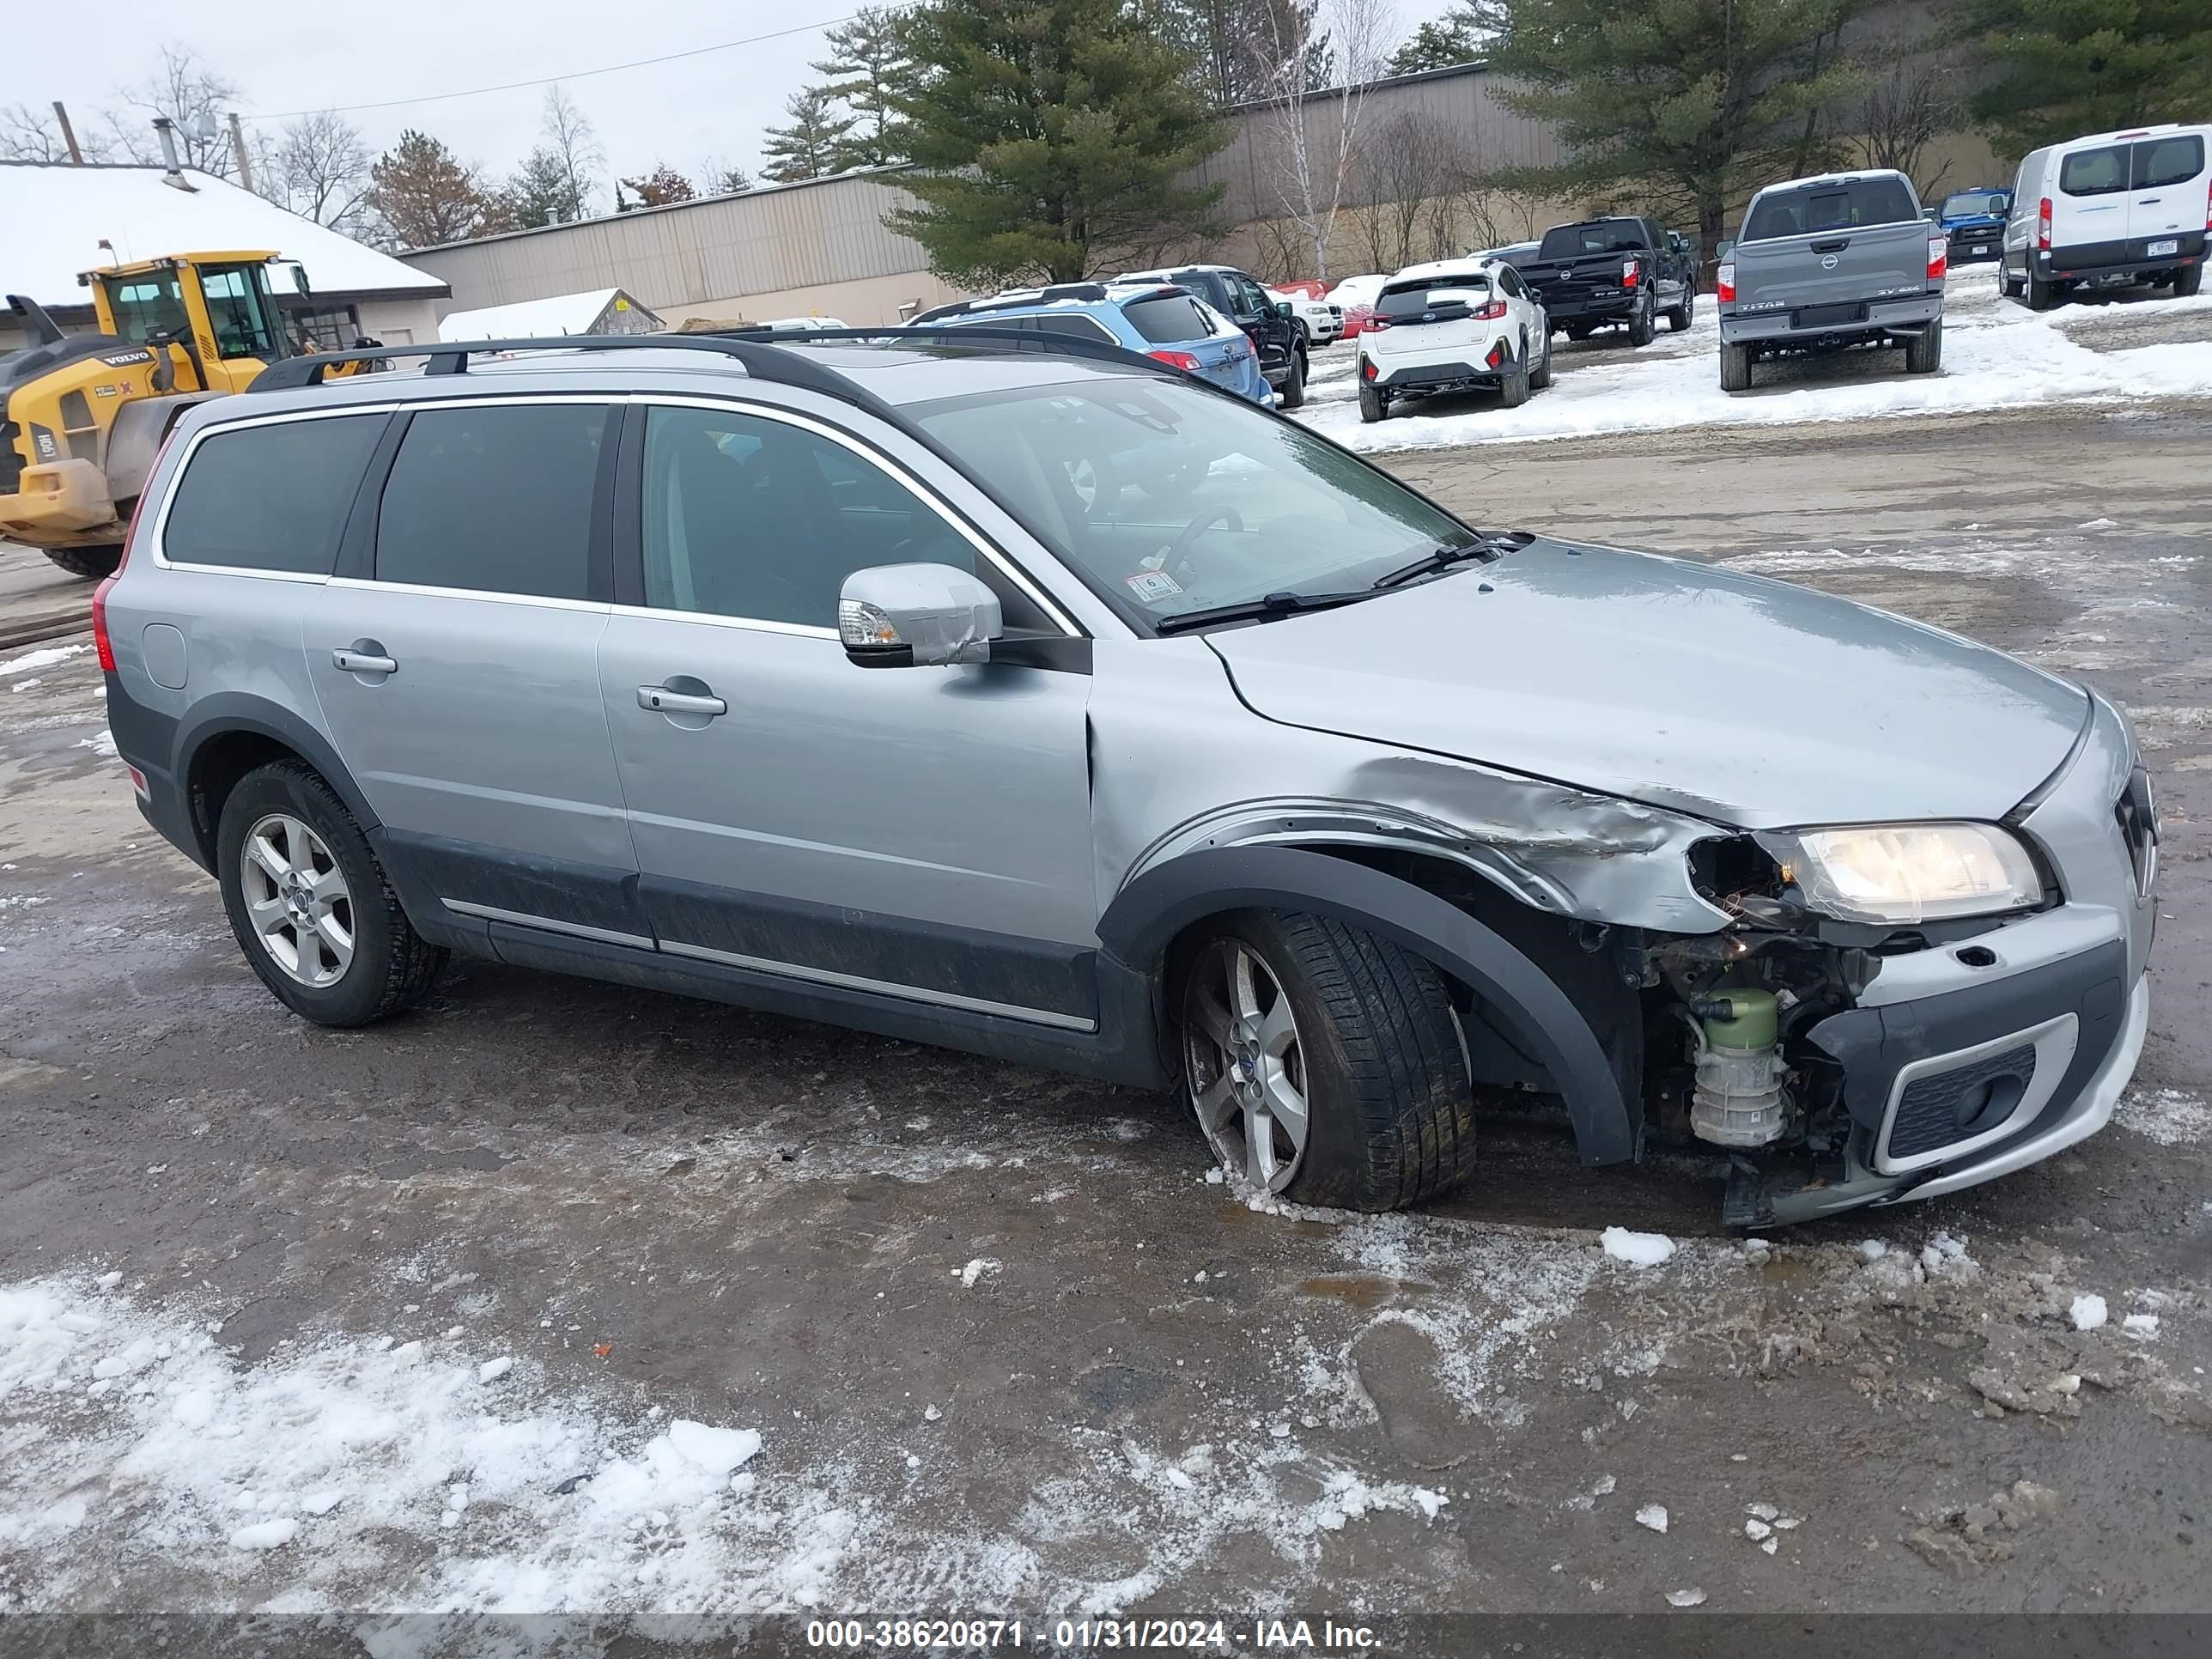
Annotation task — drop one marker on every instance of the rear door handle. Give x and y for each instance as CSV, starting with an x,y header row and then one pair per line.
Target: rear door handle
x,y
663,701
359,662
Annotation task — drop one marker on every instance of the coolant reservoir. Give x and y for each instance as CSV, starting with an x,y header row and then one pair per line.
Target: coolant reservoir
x,y
1738,1101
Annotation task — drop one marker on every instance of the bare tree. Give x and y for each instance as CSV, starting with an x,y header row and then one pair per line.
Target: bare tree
x,y
1316,62
192,97
34,134
1411,186
573,143
319,167
1916,91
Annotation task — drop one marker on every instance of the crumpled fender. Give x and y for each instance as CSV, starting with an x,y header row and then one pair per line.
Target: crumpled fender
x,y
1146,914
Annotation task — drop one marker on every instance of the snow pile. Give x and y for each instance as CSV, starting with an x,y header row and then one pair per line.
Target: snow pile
x,y
1638,1250
1653,1515
1995,356
2088,1312
2166,1115
45,657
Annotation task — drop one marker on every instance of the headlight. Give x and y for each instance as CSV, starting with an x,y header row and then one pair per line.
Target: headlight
x,y
1907,871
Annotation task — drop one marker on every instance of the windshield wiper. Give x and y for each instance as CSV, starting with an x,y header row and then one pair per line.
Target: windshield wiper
x,y
1487,544
1266,608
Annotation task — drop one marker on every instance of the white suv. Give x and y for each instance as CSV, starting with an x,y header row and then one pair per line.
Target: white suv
x,y
1467,324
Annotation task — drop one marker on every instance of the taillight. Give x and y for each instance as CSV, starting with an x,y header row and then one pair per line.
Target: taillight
x,y
100,644
1489,313
1376,322
2208,209
1939,257
1629,268
2043,226
1182,360
1725,278
1497,355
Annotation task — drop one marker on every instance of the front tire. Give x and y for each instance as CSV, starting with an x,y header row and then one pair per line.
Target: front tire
x,y
1324,1064
1736,367
1678,317
310,904
1293,394
1374,405
92,564
1540,375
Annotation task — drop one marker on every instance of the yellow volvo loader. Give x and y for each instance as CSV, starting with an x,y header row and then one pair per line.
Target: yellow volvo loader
x,y
82,415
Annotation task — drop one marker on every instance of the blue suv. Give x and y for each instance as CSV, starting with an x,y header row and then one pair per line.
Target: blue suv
x,y
1160,319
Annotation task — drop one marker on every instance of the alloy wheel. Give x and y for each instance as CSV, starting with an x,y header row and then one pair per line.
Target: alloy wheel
x,y
297,900
1244,1065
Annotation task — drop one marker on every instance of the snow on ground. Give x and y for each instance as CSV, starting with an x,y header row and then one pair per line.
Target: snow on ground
x,y
44,656
2168,1116
1996,355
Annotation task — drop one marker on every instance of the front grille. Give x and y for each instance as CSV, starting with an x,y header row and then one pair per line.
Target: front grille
x,y
1951,1106
2138,814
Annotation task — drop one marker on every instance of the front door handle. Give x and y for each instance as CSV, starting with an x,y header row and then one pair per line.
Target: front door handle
x,y
660,699
362,658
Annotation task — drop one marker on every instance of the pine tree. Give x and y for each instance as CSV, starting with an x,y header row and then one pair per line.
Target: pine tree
x,y
2074,66
810,146
1452,39
424,195
866,63
542,191
1052,134
1685,105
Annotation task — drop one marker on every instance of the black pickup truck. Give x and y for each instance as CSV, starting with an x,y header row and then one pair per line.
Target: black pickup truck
x,y
1627,270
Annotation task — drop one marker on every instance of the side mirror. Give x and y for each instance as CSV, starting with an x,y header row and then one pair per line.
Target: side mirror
x,y
1725,251
1285,308
916,615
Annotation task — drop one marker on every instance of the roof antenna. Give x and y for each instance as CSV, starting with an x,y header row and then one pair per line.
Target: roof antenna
x,y
174,177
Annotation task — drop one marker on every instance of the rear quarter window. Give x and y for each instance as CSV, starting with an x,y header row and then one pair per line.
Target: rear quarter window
x,y
1818,207
2094,172
270,497
497,499
1075,325
1171,318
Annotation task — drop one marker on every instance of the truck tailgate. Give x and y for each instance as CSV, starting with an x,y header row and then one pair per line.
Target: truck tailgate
x,y
1827,277
1569,285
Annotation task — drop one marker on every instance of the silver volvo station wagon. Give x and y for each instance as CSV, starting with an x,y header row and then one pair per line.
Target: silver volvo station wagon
x,y
1032,698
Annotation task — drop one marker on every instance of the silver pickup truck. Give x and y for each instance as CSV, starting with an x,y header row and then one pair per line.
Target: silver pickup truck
x,y
1824,265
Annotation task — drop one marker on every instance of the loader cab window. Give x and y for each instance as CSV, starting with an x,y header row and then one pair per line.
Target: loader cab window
x,y
238,305
144,306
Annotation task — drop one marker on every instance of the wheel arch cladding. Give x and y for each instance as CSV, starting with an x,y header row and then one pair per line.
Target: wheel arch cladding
x,y
1148,915
228,735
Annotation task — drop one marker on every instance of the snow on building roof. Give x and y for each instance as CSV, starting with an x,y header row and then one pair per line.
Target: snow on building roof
x,y
530,320
56,215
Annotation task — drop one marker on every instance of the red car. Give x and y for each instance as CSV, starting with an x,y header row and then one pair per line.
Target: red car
x,y
1312,288
1357,296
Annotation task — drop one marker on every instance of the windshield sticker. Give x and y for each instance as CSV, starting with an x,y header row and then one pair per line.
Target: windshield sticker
x,y
1153,586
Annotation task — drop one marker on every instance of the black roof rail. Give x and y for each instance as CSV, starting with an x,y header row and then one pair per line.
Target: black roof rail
x,y
775,357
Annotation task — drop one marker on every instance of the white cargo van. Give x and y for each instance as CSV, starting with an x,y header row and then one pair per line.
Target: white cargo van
x,y
2114,207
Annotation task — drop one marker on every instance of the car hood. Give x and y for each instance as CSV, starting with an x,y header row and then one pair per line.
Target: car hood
x,y
1750,701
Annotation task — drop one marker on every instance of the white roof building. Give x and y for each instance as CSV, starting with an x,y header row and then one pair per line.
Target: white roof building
x,y
600,311
56,215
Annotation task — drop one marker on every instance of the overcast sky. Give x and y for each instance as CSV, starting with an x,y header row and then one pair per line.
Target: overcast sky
x,y
713,106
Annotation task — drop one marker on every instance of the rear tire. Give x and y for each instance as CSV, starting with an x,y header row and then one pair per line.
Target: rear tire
x,y
92,564
1924,353
2041,296
1355,1031
386,964
2188,280
1293,394
1374,405
1641,325
1513,383
1736,367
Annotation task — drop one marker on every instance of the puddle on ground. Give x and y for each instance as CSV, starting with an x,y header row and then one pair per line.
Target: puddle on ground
x,y
1365,1291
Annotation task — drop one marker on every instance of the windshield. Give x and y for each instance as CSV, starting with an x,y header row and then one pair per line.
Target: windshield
x,y
1843,205
1968,203
1402,300
1167,498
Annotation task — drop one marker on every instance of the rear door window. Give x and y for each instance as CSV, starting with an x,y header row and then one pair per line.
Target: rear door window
x,y
1170,317
1813,209
2094,172
270,497
496,499
2161,161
